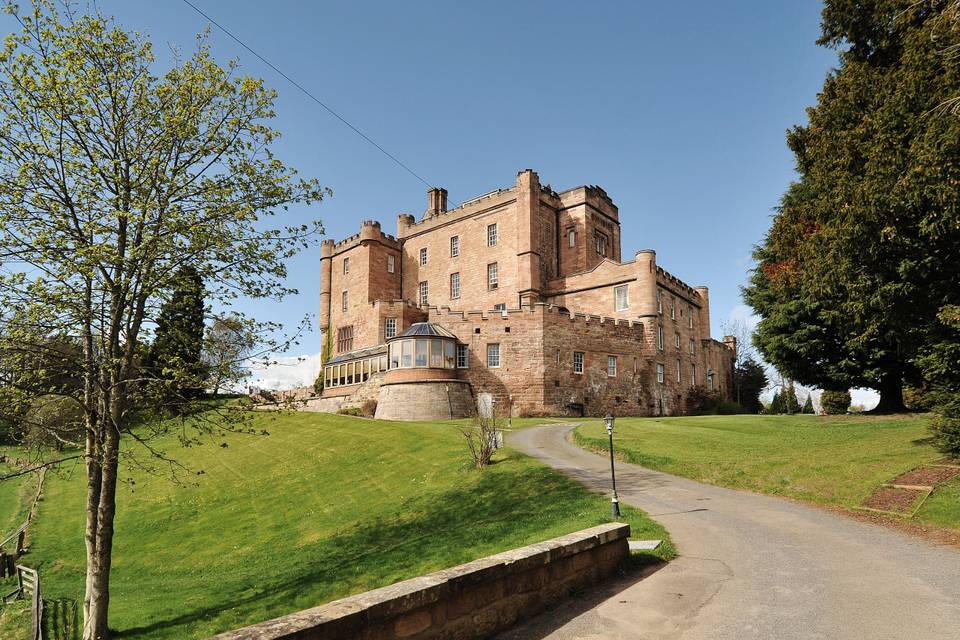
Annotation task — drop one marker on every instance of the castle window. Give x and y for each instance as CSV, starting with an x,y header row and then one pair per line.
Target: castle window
x,y
389,327
500,306
601,239
344,339
463,356
693,374
346,266
572,237
423,256
660,373
620,298
678,341
492,278
690,317
436,354
636,365
578,361
449,357
558,356
454,285
493,355
345,297
710,381
394,355
692,347
659,301
406,356
422,346
678,369
660,337
423,291
611,366
454,246
673,309
492,235
391,264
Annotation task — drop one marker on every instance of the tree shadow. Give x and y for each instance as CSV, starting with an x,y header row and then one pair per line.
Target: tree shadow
x,y
424,534
61,619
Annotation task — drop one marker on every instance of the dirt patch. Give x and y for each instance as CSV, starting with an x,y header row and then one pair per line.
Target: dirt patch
x,y
954,462
894,499
928,476
939,535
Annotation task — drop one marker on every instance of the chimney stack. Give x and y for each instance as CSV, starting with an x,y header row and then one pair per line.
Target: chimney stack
x,y
436,201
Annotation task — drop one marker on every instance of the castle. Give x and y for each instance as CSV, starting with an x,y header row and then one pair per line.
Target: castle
x,y
517,301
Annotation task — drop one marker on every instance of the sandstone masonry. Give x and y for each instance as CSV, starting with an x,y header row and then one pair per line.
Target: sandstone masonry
x,y
548,317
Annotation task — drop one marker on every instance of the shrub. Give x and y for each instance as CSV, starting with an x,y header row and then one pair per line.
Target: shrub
x,y
835,402
701,402
919,398
350,411
481,437
945,428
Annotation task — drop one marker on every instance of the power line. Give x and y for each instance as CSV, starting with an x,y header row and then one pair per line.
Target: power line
x,y
307,93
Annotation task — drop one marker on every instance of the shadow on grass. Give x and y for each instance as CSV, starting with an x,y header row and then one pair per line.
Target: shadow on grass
x,y
61,619
506,507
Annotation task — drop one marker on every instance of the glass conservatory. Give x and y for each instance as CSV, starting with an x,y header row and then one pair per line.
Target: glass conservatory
x,y
425,346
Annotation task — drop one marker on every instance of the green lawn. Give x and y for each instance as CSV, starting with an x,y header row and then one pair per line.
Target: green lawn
x,y
837,460
323,507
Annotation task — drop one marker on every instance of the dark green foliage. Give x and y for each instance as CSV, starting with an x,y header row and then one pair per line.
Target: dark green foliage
x,y
751,380
861,254
940,363
175,357
807,405
835,402
701,402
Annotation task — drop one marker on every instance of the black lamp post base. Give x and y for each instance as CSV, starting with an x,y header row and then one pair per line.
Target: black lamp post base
x,y
615,508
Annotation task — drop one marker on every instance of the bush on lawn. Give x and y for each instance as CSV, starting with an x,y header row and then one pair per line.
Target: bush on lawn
x,y
945,427
835,403
701,402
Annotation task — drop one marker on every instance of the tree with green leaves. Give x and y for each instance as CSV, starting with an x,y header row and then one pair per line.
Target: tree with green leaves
x,y
860,257
808,405
174,358
751,379
835,403
229,344
112,179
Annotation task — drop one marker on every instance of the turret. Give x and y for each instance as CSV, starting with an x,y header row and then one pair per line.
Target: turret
x,y
326,272
704,294
646,295
528,236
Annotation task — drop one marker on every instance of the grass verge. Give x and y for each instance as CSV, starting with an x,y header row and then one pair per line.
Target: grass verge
x,y
836,460
323,507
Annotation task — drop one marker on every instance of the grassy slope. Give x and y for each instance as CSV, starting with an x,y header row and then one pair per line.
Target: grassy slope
x,y
826,459
323,507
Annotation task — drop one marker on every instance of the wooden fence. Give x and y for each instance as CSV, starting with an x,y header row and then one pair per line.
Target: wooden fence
x,y
28,580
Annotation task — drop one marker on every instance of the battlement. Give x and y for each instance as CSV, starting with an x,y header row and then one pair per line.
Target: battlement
x,y
407,225
674,280
633,328
370,231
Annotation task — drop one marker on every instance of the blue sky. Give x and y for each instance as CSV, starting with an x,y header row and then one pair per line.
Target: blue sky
x,y
678,110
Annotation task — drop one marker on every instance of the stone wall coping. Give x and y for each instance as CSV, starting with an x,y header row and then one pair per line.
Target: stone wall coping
x,y
356,611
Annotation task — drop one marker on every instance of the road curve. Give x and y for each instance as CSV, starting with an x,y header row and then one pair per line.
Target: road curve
x,y
754,566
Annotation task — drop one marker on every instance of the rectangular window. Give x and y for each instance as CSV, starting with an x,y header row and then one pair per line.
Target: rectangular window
x,y
692,346
345,301
346,266
454,246
659,302
463,356
423,291
454,285
493,355
389,327
622,302
659,373
572,237
407,355
601,239
449,355
394,355
673,309
677,339
709,381
492,235
690,317
493,280
423,256
421,353
578,361
436,354
693,374
660,337
500,306
391,264
611,366
344,339
678,369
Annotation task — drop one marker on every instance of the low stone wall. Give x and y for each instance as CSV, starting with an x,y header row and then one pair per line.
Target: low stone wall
x,y
425,400
473,600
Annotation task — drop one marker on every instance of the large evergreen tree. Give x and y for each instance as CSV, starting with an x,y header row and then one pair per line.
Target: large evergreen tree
x,y
751,380
175,357
861,256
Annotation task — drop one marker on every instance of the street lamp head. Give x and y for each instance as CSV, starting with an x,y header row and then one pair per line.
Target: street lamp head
x,y
609,421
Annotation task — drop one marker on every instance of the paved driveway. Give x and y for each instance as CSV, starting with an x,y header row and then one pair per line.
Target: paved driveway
x,y
752,566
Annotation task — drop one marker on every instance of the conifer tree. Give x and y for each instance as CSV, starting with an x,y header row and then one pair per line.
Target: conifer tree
x,y
808,405
175,357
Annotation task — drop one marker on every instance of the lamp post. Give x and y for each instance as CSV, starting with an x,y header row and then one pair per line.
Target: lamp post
x,y
614,503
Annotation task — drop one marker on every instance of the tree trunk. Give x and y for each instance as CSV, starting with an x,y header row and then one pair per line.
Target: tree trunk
x,y
97,601
891,395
